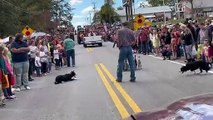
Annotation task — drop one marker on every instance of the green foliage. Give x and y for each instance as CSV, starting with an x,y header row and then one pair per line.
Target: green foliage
x,y
62,12
38,14
107,14
160,2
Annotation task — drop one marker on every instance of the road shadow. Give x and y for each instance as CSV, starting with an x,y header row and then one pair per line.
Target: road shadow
x,y
197,74
94,46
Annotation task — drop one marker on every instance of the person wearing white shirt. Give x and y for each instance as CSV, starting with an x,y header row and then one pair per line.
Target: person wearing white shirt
x,y
56,57
38,64
44,61
32,55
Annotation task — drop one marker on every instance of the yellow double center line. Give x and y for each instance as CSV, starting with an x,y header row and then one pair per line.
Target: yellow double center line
x,y
89,49
119,105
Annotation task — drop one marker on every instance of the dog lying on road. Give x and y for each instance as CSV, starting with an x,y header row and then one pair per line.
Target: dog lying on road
x,y
192,66
65,78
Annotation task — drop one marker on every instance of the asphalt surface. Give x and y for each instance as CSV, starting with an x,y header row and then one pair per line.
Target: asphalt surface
x,y
95,96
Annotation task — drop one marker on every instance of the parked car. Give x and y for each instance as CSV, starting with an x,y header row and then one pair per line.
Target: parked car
x,y
194,108
93,40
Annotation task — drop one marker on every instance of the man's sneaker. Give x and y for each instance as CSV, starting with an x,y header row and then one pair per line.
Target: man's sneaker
x,y
18,89
132,80
27,88
118,80
31,79
9,98
13,96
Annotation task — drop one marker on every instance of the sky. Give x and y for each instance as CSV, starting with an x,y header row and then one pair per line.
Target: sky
x,y
83,8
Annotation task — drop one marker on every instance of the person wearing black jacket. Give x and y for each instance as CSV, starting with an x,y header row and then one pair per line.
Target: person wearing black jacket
x,y
188,43
193,31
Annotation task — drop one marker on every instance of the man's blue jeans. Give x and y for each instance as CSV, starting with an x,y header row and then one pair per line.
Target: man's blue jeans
x,y
21,72
126,53
71,53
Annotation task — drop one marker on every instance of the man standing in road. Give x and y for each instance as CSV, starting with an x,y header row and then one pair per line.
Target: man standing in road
x,y
69,45
125,39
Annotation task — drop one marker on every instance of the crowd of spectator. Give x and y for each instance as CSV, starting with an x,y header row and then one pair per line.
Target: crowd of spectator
x,y
22,59
192,40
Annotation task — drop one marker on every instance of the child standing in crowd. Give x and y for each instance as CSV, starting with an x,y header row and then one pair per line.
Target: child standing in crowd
x,y
56,57
154,37
60,49
38,64
2,104
64,59
199,51
43,57
49,62
174,46
32,54
207,52
5,71
8,91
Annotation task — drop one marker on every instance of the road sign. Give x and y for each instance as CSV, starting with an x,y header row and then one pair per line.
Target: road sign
x,y
27,31
140,22
140,19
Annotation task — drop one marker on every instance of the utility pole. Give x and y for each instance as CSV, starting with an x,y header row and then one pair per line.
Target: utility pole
x,y
94,6
164,13
94,10
90,17
129,9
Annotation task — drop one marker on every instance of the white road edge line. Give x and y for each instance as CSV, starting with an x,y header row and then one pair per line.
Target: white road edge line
x,y
171,61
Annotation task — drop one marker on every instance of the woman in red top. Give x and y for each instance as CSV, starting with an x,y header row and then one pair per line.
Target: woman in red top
x,y
56,41
62,55
175,43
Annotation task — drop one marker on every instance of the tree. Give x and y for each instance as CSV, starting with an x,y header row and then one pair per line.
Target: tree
x,y
107,14
62,12
161,2
96,18
38,14
15,14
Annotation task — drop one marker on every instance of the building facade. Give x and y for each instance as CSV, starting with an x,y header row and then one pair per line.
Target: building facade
x,y
151,13
203,7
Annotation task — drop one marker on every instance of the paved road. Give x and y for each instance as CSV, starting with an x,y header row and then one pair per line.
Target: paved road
x,y
96,96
